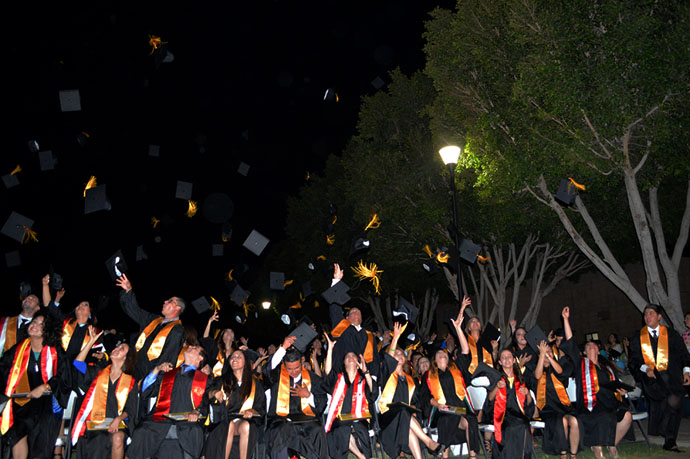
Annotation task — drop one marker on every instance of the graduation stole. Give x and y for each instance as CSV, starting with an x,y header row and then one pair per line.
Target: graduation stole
x,y
360,407
159,341
93,407
180,356
68,327
18,379
557,385
283,398
249,402
500,406
8,335
435,384
590,383
389,390
486,356
618,396
165,392
218,366
661,361
339,329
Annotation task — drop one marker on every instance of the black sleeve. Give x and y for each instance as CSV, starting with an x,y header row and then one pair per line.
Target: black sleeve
x,y
54,311
130,306
336,314
259,398
319,392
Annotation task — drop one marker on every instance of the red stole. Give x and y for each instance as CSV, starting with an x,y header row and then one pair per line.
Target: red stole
x,y
500,405
360,407
165,392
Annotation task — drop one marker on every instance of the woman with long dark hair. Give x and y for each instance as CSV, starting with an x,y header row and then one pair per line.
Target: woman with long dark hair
x,y
220,349
241,407
29,425
107,413
604,418
512,410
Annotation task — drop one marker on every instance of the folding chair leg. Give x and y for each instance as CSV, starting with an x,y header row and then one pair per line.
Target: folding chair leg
x,y
644,434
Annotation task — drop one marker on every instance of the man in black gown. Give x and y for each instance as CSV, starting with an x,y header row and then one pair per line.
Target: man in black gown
x,y
161,338
661,361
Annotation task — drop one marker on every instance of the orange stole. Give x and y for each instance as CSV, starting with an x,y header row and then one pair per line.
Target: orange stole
x,y
486,356
339,329
159,341
557,385
283,397
68,327
661,361
249,402
435,384
10,326
389,390
218,366
180,356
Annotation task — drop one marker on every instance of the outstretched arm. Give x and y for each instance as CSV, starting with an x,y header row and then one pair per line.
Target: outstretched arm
x,y
457,323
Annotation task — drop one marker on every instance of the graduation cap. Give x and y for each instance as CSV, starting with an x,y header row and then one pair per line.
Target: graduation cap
x,y
70,100
535,336
10,180
566,193
377,82
406,311
490,333
116,265
183,190
255,242
239,295
430,267
83,138
217,250
55,281
13,259
360,244
16,225
304,334
277,281
46,160
337,294
288,318
239,316
469,251
24,289
154,151
330,95
243,169
201,305
96,199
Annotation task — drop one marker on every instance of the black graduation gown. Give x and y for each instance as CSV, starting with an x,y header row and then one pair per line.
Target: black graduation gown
x,y
598,425
447,424
516,439
308,439
352,340
665,394
96,444
173,342
36,420
339,435
395,425
554,439
215,442
148,437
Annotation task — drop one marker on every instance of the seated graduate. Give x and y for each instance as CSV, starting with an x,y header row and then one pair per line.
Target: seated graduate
x,y
445,387
297,401
400,429
512,410
549,380
479,354
29,425
352,393
173,391
218,350
348,330
240,404
602,415
110,397
526,356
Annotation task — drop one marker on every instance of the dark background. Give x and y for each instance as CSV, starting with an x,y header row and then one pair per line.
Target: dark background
x,y
247,84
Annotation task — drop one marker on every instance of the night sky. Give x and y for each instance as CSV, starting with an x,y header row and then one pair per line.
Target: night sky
x,y
247,84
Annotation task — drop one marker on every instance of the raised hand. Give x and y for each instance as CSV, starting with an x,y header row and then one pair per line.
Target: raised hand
x,y
288,341
337,272
566,313
362,364
124,283
543,348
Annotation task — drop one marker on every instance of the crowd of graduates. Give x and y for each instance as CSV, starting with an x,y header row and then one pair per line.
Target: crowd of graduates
x,y
170,394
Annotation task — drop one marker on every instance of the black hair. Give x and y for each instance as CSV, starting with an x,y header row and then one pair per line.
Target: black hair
x,y
292,355
517,374
229,379
52,329
130,360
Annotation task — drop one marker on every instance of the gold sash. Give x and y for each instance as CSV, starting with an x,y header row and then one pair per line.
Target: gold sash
x,y
68,328
435,384
486,356
283,398
557,385
156,347
661,361
124,385
218,366
249,402
389,390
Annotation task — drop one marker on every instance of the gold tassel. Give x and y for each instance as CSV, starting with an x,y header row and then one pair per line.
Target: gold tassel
x,y
230,274
373,223
90,184
155,42
335,219
330,239
442,257
316,304
287,282
427,250
483,259
579,186
321,258
16,170
307,176
362,271
297,305
215,306
29,235
191,211
155,221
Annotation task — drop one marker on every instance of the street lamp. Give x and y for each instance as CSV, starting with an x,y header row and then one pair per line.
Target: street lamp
x,y
266,304
450,156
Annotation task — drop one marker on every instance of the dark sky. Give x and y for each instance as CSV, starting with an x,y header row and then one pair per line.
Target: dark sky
x,y
246,85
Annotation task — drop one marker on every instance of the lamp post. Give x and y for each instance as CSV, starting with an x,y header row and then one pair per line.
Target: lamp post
x,y
266,304
450,156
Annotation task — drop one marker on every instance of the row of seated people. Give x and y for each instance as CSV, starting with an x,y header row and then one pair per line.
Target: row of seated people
x,y
155,393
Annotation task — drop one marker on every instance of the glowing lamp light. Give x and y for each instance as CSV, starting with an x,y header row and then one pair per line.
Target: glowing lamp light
x,y
450,154
266,304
